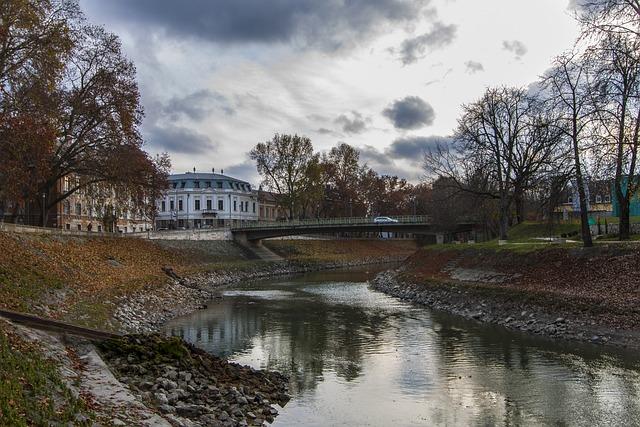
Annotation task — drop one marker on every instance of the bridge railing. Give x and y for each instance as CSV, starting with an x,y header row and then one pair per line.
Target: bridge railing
x,y
407,219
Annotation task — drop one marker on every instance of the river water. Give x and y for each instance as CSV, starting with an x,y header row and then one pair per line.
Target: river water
x,y
358,357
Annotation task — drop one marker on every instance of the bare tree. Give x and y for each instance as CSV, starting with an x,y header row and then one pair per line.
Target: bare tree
x,y
503,145
618,88
568,96
605,17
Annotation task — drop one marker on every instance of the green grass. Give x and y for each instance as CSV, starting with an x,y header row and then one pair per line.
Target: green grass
x,y
529,230
31,389
616,220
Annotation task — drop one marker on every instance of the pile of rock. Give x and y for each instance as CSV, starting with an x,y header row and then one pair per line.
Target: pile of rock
x,y
191,387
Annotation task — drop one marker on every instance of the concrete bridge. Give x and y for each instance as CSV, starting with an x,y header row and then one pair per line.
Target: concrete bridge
x,y
421,225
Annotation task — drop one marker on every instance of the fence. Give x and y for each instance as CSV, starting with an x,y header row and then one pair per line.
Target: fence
x,y
408,219
32,229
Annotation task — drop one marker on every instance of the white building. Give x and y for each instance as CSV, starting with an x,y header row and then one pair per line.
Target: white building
x,y
202,200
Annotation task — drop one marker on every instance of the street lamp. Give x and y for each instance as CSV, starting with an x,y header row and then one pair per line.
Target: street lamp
x,y
44,209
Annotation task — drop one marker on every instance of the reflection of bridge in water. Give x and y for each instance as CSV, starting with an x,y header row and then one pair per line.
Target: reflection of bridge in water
x,y
420,225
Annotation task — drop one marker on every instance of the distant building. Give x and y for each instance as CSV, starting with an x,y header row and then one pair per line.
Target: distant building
x,y
634,205
599,200
80,211
203,200
84,212
269,209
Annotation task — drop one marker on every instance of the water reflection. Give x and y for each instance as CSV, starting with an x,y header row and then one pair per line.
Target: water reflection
x,y
357,357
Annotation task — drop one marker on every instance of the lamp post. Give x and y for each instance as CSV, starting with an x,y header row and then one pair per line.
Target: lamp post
x,y
44,209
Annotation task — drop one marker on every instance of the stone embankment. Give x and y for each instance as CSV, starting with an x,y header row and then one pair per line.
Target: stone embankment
x,y
190,387
507,308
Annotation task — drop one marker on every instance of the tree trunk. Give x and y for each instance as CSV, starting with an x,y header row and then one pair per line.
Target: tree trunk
x,y
504,219
587,242
624,231
584,212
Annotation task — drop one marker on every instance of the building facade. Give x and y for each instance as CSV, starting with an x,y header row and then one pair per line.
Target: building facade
x,y
205,200
268,207
82,211
599,200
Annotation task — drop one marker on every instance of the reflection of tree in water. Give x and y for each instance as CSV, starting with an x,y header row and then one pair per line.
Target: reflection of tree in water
x,y
316,337
301,337
534,379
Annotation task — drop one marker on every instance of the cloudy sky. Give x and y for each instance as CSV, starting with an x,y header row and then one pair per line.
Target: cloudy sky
x,y
386,76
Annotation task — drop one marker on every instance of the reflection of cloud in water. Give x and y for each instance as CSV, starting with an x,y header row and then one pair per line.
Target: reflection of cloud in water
x,y
267,295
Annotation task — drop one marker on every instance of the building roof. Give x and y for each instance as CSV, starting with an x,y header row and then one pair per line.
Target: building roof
x,y
199,176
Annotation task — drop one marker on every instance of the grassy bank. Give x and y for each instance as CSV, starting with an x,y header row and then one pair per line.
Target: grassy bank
x,y
32,391
600,284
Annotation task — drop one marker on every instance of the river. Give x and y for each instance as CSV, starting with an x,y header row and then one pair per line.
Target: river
x,y
358,357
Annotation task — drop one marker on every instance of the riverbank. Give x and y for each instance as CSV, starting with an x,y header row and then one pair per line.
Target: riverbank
x,y
131,285
108,283
589,295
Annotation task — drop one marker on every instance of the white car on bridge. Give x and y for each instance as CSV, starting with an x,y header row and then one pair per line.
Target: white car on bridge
x,y
384,220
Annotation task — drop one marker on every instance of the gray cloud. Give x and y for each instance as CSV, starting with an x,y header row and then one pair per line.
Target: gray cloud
x,y
412,112
354,124
372,156
439,36
328,24
178,139
518,48
246,171
197,105
325,131
474,67
413,148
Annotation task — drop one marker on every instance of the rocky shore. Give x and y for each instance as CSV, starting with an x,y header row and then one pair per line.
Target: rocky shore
x,y
508,309
146,311
190,387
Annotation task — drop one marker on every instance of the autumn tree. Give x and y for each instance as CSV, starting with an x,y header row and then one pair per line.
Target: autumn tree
x,y
73,87
283,163
342,169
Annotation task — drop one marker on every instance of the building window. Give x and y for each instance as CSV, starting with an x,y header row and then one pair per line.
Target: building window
x,y
598,198
220,205
180,204
79,227
196,184
182,184
209,204
208,184
164,206
235,205
172,205
67,207
570,200
254,207
78,209
99,229
68,226
197,204
607,198
175,185
219,184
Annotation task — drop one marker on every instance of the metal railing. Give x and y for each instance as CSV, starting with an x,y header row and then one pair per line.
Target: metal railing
x,y
408,219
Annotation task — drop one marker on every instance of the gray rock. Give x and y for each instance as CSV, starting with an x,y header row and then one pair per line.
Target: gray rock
x,y
167,409
118,422
190,411
161,398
